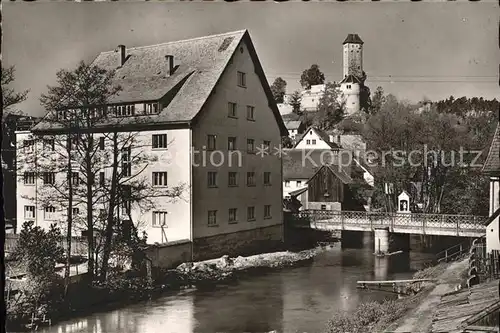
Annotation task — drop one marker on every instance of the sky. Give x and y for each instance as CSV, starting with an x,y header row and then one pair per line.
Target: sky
x,y
448,48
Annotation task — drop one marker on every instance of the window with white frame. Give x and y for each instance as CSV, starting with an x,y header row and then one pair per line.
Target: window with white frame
x,y
159,219
212,217
28,144
211,142
251,213
308,142
212,179
299,183
250,112
250,146
48,144
75,178
102,179
49,178
250,178
125,110
267,178
29,178
159,141
242,79
233,215
160,178
231,143
313,141
126,162
232,109
126,198
267,211
49,213
232,179
29,212
287,183
76,211
151,108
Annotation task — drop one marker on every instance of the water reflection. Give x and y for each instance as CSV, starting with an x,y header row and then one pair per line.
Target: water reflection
x,y
300,299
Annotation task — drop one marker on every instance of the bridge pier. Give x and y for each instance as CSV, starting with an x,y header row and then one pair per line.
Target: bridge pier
x,y
381,240
385,242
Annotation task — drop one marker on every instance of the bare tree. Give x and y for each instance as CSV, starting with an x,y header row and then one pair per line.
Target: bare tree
x,y
9,96
91,144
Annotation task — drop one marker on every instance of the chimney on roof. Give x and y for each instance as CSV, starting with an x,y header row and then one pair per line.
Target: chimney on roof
x,y
170,64
123,54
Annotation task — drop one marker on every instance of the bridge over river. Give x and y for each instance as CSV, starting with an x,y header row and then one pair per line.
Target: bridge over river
x,y
383,224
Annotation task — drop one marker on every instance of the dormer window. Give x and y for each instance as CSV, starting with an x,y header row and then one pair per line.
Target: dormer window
x,y
125,110
151,108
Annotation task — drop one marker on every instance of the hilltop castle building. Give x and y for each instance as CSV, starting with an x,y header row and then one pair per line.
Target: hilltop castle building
x,y
351,85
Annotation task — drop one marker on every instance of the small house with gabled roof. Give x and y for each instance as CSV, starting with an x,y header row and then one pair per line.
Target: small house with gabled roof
x,y
314,138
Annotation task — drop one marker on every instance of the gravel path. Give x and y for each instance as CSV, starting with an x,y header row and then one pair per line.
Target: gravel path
x,y
420,319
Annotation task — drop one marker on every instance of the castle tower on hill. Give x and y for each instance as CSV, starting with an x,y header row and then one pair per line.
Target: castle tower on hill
x,y
351,83
353,56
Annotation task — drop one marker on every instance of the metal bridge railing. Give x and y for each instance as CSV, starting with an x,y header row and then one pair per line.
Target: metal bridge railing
x,y
456,224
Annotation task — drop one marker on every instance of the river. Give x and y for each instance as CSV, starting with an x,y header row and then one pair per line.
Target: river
x,y
300,299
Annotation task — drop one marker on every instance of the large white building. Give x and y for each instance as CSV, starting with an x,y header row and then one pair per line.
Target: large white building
x,y
187,101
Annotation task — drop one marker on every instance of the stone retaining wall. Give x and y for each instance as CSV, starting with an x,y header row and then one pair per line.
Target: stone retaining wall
x,y
242,243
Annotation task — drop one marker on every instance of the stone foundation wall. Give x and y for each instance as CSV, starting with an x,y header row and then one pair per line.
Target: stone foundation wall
x,y
170,255
242,243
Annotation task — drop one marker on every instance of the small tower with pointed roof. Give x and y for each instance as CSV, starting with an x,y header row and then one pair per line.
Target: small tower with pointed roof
x,y
351,83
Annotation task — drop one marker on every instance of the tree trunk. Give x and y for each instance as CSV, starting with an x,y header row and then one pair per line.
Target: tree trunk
x,y
89,199
108,236
69,226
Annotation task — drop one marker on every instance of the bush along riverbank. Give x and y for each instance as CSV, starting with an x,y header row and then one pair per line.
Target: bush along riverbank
x,y
378,316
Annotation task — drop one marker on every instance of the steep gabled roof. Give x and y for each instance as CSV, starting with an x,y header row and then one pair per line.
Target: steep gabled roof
x,y
303,163
337,171
352,39
492,164
325,137
199,65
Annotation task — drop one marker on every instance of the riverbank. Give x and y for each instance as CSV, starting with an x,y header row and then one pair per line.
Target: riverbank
x,y
124,289
396,315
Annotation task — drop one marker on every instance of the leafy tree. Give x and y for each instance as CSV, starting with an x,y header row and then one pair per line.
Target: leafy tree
x,y
9,96
311,77
286,142
331,107
435,182
37,253
295,102
364,99
278,89
377,100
